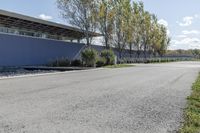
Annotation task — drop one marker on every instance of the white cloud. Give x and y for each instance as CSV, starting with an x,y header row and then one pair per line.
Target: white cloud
x,y
98,41
181,36
163,22
187,21
196,16
45,17
186,32
185,43
168,31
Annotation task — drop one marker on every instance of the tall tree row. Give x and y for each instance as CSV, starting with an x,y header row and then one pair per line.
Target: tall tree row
x,y
105,20
124,24
81,14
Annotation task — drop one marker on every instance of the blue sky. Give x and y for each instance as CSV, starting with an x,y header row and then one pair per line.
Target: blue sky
x,y
182,17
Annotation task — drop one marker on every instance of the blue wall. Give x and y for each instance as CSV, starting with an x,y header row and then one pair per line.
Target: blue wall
x,y
20,50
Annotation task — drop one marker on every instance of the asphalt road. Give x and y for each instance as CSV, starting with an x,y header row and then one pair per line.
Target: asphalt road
x,y
141,99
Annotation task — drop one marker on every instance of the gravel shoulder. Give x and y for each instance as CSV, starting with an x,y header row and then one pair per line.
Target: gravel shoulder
x,y
142,99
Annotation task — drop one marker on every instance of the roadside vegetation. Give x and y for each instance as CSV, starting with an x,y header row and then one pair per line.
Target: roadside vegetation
x,y
124,25
92,58
119,66
192,112
195,53
61,62
89,57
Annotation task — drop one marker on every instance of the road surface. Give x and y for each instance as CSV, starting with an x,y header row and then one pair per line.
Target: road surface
x,y
142,99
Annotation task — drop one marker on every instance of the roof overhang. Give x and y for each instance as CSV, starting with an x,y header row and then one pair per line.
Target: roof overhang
x,y
10,19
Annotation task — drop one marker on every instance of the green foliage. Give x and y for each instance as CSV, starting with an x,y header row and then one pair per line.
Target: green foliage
x,y
108,56
105,20
180,52
196,53
81,14
136,27
122,23
89,57
62,62
76,63
192,112
101,62
119,66
165,60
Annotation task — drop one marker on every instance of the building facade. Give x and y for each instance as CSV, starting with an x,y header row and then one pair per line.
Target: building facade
x,y
26,40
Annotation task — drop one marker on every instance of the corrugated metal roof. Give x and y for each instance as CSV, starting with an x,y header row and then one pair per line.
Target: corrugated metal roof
x,y
10,19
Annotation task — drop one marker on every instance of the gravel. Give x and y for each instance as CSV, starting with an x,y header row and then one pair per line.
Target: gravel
x,y
143,99
17,71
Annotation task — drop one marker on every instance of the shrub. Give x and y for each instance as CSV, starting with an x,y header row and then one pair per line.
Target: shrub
x,y
76,63
89,57
62,62
101,62
108,56
121,61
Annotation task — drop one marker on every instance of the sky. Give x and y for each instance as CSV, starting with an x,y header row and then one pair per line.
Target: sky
x,y
181,17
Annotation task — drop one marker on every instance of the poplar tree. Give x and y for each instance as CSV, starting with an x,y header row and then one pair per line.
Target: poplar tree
x,y
106,20
81,14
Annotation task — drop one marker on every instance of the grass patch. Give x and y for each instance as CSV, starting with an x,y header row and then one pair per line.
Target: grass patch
x,y
119,66
192,112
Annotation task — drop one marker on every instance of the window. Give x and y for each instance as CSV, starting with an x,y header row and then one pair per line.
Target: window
x,y
17,31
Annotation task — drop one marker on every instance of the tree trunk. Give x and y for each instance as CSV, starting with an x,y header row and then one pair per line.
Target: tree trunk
x,y
138,54
120,54
106,41
130,50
